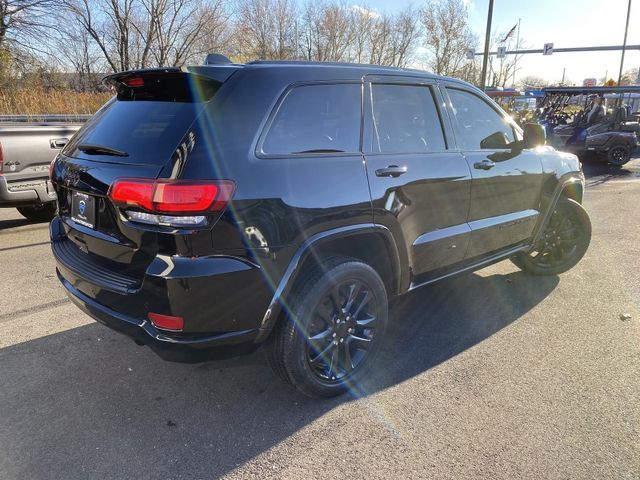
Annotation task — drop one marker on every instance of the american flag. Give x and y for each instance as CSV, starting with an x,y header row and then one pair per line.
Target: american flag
x,y
510,33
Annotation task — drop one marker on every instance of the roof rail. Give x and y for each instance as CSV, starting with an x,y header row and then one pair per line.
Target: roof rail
x,y
216,59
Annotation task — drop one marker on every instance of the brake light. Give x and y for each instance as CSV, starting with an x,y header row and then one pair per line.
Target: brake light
x,y
184,200
134,82
166,322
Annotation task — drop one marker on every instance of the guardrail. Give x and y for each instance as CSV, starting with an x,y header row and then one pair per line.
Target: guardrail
x,y
45,118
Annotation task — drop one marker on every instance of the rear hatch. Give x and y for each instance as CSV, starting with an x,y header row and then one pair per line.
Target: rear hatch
x,y
143,132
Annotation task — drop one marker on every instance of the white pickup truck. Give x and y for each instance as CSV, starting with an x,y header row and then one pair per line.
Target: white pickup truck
x,y
28,144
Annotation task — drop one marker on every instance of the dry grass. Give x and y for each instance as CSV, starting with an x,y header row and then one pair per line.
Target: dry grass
x,y
47,101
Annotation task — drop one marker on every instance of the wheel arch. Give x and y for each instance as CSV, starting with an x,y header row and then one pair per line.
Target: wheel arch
x,y
371,243
573,190
570,185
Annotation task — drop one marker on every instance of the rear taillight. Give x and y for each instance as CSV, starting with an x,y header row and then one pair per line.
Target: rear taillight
x,y
171,202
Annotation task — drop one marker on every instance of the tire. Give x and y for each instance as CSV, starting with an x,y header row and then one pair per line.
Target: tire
x,y
563,243
39,213
323,351
618,155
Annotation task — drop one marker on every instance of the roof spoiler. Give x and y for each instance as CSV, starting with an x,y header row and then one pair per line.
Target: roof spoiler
x,y
216,59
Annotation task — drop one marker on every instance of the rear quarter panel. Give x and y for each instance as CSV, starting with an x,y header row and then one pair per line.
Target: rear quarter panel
x,y
279,202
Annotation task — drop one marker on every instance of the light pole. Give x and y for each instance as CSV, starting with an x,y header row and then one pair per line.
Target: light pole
x,y
487,37
624,44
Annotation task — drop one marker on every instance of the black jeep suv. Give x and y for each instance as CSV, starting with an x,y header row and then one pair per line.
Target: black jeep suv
x,y
220,207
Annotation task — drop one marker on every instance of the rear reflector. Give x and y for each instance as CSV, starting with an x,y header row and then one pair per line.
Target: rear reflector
x,y
166,322
173,197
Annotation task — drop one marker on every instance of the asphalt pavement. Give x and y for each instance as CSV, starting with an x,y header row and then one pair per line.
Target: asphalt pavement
x,y
492,375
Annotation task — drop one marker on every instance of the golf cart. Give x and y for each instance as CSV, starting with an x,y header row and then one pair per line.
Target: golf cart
x,y
521,105
612,134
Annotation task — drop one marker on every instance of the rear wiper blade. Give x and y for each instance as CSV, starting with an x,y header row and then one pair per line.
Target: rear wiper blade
x,y
92,149
322,150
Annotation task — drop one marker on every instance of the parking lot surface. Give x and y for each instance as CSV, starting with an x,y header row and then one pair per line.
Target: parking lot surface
x,y
494,374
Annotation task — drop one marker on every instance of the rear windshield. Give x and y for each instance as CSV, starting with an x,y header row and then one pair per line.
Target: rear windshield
x,y
147,123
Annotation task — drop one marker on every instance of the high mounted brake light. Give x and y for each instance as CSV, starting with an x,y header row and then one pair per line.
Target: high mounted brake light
x,y
171,202
133,82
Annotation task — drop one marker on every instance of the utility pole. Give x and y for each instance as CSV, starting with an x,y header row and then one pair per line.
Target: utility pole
x,y
515,60
624,44
487,38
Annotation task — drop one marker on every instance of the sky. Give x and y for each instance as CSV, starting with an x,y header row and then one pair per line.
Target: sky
x,y
565,23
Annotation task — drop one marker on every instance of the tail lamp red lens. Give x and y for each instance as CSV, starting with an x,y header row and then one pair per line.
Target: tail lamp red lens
x,y
134,82
174,197
166,322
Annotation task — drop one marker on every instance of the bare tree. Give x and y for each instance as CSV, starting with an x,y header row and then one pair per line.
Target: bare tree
x,y
74,48
111,26
502,71
266,29
144,33
630,77
23,22
181,27
393,38
327,31
533,81
363,22
448,35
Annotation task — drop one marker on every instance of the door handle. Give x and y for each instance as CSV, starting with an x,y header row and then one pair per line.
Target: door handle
x,y
391,171
484,165
58,143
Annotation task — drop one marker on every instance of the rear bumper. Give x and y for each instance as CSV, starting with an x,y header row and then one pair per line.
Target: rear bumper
x,y
188,349
221,299
25,192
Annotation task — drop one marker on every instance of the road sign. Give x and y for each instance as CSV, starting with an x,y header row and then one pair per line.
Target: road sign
x,y
502,52
471,53
548,49
610,83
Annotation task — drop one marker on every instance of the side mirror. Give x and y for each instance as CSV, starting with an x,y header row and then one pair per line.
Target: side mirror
x,y
494,141
534,135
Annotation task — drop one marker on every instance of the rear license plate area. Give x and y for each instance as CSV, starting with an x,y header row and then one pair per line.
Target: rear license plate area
x,y
83,209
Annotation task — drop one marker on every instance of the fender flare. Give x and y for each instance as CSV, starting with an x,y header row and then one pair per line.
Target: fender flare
x,y
566,180
290,275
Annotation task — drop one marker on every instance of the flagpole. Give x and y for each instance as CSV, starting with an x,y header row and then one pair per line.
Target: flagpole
x,y
515,61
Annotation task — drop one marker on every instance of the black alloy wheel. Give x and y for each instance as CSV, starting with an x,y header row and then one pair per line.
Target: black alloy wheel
x,y
562,244
341,331
330,336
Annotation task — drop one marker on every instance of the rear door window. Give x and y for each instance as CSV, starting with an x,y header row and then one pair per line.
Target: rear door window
x,y
474,120
405,119
316,119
